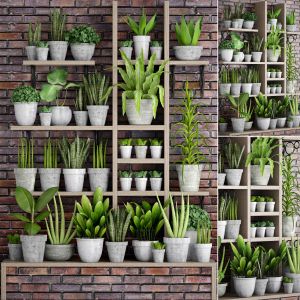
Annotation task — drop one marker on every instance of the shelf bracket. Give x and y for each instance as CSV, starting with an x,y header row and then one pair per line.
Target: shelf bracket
x,y
201,79
33,76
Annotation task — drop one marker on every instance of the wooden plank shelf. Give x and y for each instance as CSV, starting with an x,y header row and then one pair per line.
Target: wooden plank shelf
x,y
60,128
241,30
133,193
74,194
293,32
189,62
140,161
264,214
265,297
243,63
232,187
275,95
57,63
278,63
122,63
265,187
276,79
141,127
268,132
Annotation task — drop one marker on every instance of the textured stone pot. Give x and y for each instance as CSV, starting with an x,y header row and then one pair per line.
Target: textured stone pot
x,y
253,232
156,151
31,52
263,123
226,55
140,151
49,177
45,118
192,235
59,252
234,24
238,124
248,57
203,252
270,206
291,28
273,74
141,44
278,74
127,51
288,287
232,229
158,255
240,22
273,56
273,123
221,179
273,22
15,252
234,176
247,88
97,114
296,120
291,86
270,231
260,179
58,50
81,117
227,24
260,232
144,117
89,250
248,125
177,249
25,113
141,184
42,53
74,179
25,178
253,206
236,89
157,51
116,251
273,90
223,127
82,51
98,177
221,225
125,184
256,56
222,289
33,247
61,115
260,206
278,89
224,88
188,52
248,24
244,287
281,122
155,184
274,284
125,151
260,286
142,250
290,124
288,226
189,177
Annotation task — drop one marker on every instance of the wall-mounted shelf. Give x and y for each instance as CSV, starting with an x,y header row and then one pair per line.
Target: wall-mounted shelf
x,y
140,161
60,128
241,30
57,63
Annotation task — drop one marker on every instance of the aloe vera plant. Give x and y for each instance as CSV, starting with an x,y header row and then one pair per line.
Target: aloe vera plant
x,y
25,153
291,18
233,153
294,106
50,154
34,34
58,24
99,155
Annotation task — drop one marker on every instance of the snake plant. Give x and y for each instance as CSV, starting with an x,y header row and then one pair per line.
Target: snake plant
x,y
293,256
231,208
294,105
203,234
233,153
99,155
58,24
222,267
50,154
80,101
34,34
25,153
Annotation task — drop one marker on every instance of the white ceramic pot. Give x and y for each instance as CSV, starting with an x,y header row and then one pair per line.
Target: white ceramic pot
x,y
25,113
226,55
155,184
227,24
45,118
188,52
157,51
270,231
236,89
98,177
274,284
177,249
240,22
203,252
89,250
232,229
49,177
296,281
260,206
256,56
97,114
278,74
253,206
142,250
273,22
224,88
247,88
158,255
222,289
82,51
223,127
273,123
291,28
263,123
126,184
252,232
127,51
126,151
81,118
25,178
143,117
141,44
248,125
248,57
116,251
260,286
42,53
291,86
189,177
281,122
244,287
221,225
61,115
296,120
270,206
238,124
141,184
192,235
155,151
58,50
221,179
234,176
140,151
273,56
74,179
31,52
288,226
248,24
260,179
33,247
15,252
59,252
260,232
288,287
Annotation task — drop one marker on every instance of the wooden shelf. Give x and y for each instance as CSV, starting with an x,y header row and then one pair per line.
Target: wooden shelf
x,y
264,214
74,194
265,297
278,63
122,63
232,187
241,63
141,161
241,30
275,95
265,187
227,241
293,32
60,128
199,193
189,62
133,193
255,132
264,239
142,127
275,79
59,63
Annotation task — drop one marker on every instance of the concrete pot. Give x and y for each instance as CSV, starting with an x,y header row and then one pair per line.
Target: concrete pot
x,y
273,90
263,123
45,118
288,287
256,56
273,74
260,206
25,178
240,22
248,57
42,53
260,232
188,52
291,86
232,229
234,24
296,120
223,127
155,184
253,206
278,74
49,177
222,289
74,179
288,226
31,52
224,88
248,125
290,124
273,22
58,50
25,113
33,247
192,235
260,179
157,51
227,24
278,89
158,255
89,250
236,89
81,118
97,114
273,123
127,51
221,225
234,176
248,24
125,151
156,151
177,249
244,287
144,117
141,44
15,252
61,115
270,206
189,177
126,184
82,51
226,55
238,124
59,252
260,286
274,284
140,151
142,250
203,252
98,177
252,232
268,26
281,122
270,231
116,251
221,179
291,28
273,56
268,90
141,184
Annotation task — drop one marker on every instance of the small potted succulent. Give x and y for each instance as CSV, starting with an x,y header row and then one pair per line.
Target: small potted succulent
x,y
278,73
125,180
226,50
222,268
80,112
203,245
249,19
270,229
256,46
288,285
253,230
14,247
156,47
273,45
273,15
45,114
260,204
221,172
156,148
233,223
270,204
158,252
260,229
155,180
140,179
125,148
140,148
227,17
42,49
223,125
291,21
263,111
126,47
224,84
238,15
253,203
34,36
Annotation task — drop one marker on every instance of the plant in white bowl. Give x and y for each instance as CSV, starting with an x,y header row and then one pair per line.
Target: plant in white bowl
x,y
263,111
226,50
270,229
273,16
125,180
257,48
294,110
125,147
249,19
126,47
270,203
253,203
224,83
14,247
80,112
233,224
155,180
293,255
291,21
158,252
42,50
238,15
273,45
156,148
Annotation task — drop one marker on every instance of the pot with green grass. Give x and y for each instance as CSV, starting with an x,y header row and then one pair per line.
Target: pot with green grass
x,y
249,19
238,14
226,50
99,173
80,113
14,247
125,180
282,110
256,43
273,16
33,244
118,222
42,49
261,280
294,110
222,268
74,155
291,21
140,148
90,222
223,125
140,180
260,229
156,148
188,34
233,224
126,47
203,246
158,252
263,111
155,180
125,148
270,229
227,17
45,114
246,76
292,73
235,79
270,204
288,285
156,48
253,203
238,46
50,173
274,120
273,45
221,172
225,84
247,112
222,222
34,36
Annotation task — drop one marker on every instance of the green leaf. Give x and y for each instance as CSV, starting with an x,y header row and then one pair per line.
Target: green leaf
x,y
20,217
45,198
32,228
42,216
86,205
57,76
24,199
185,33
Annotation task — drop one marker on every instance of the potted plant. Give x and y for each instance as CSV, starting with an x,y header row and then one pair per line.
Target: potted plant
x,y
177,245
91,226
14,247
158,252
25,100
34,36
141,39
247,52
288,285
238,14
256,46
155,180
270,229
221,172
60,236
253,230
253,203
290,123
223,125
235,79
238,45
140,148
260,229
294,110
97,90
125,148
25,172
45,115
33,244
140,105
83,39
222,214
260,204
282,106
233,153
227,17
203,245
50,173
273,15
233,223
221,273
146,223
140,179
261,280
291,69
273,120
243,266
249,19
291,21
156,148
270,204
99,174
226,50
125,180
246,76
263,111
188,34
42,49
74,155
58,45
246,113
117,225
126,47
156,47
278,73
273,45
224,83
80,113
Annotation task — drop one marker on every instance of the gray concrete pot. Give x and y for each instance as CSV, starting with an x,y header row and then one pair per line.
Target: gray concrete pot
x,y
74,179
227,24
247,88
49,177
45,118
156,151
238,124
224,88
25,177
273,56
31,52
221,179
288,226
288,287
141,44
260,286
188,52
81,118
42,53
273,123
291,28
244,287
203,252
248,24
58,50
33,247
144,117
125,184
222,289
278,89
158,255
278,74
240,22
140,184
59,252
157,51
274,284
25,113
223,127
226,55
125,151
270,231
99,178
260,206
234,176
273,22
15,252
252,232
270,206
97,114
256,56
127,51
260,232
192,235
281,122
234,24
189,177
296,120
290,124
140,151
263,123
253,206
232,229
248,57
89,250
177,249
142,250
236,89
116,251
291,86
248,125
221,225
82,51
61,115
155,184
260,179
273,74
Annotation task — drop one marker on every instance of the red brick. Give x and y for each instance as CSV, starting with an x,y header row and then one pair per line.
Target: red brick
x,y
65,271
155,271
41,296
33,271
36,287
125,271
77,279
96,288
169,296
79,296
155,288
107,279
110,296
18,279
96,271
140,279
65,288
197,279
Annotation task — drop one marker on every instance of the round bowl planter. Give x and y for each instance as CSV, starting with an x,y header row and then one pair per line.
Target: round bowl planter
x,y
155,184
61,115
223,127
248,125
247,88
116,251
273,56
274,284
234,176
256,56
291,28
98,177
281,122
25,113
192,235
89,250
253,206
221,225
238,124
157,51
31,52
235,89
33,247
296,120
273,123
177,249
59,252
244,287
288,226
49,177
188,52
42,53
270,206
143,117
45,118
232,229
189,177
58,50
248,24
125,151
263,123
224,88
97,114
74,179
226,55
158,255
125,184
288,287
127,51
221,179
140,151
270,231
222,289
156,151
252,232
25,178
82,51
140,184
260,206
260,179
203,252
260,232
15,252
81,117
142,250
260,286
141,44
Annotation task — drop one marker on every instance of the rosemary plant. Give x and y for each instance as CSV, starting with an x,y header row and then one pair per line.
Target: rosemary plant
x,y
50,155
25,153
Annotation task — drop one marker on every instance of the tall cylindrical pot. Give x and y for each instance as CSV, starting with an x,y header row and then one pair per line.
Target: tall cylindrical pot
x,y
203,252
33,247
97,114
45,118
221,225
155,184
116,251
158,255
232,229
140,151
142,117
15,252
98,177
49,177
141,44
189,177
177,249
42,53
126,151
81,118
25,178
74,179
257,178
155,151
288,226
58,50
31,52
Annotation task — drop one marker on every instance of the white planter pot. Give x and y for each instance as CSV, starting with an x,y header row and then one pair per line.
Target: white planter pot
x,y
226,55
273,123
278,74
252,232
273,90
157,51
273,22
296,120
33,247
141,184
296,281
281,122
144,117
61,115
99,178
270,206
189,177
291,28
273,74
290,124
240,22
15,252
221,179
82,51
58,50
126,184
25,113
270,231
274,284
31,52
221,225
142,250
236,89
89,250
268,74
42,53
232,229
268,90
234,176
25,178
248,24
247,88
224,88
256,56
126,151
158,255
203,252
260,179
238,124
192,235
74,179
222,289
49,177
260,232
140,151
81,118
227,24
260,206
116,251
156,151
141,44
288,287
97,114
253,206
278,90
288,226
155,184
177,249
291,86
45,118
59,252
244,287
127,51
223,127
273,56
234,24
260,286
248,125
263,123
248,57
268,26
188,52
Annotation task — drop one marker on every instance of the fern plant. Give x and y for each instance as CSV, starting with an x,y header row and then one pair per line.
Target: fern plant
x,y
99,155
25,153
